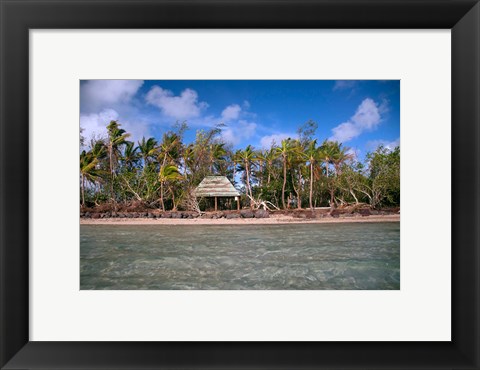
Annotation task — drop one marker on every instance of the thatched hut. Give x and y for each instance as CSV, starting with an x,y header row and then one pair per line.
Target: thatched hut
x,y
217,187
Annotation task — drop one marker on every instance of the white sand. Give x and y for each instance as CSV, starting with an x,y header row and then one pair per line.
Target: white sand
x,y
276,219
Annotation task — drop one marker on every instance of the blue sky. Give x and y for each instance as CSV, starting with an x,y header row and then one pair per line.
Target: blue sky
x,y
360,114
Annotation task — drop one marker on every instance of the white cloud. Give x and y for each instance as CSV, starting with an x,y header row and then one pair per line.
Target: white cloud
x,y
94,124
181,107
345,131
267,141
390,145
231,112
236,132
96,95
344,84
367,115
366,118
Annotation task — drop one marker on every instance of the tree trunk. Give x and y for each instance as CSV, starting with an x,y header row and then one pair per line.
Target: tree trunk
x,y
173,198
249,189
110,154
284,181
297,190
353,195
83,190
332,200
161,196
311,186
299,198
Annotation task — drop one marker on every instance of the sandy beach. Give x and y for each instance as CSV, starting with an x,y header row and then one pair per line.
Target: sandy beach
x,y
275,219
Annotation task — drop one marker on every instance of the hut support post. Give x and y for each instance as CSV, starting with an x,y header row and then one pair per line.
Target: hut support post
x,y
238,203
215,204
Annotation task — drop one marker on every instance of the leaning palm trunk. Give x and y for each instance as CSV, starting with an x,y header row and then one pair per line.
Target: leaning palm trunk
x,y
249,188
297,190
161,196
173,198
284,181
299,197
311,187
112,194
83,190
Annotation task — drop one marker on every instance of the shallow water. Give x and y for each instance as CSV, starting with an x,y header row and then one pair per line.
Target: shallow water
x,y
300,256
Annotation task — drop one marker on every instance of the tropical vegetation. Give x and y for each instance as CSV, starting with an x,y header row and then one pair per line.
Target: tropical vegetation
x,y
298,172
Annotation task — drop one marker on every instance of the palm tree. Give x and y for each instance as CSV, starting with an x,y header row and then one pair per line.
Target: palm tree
x,y
169,149
332,153
217,153
130,155
98,149
148,150
88,171
312,156
297,164
269,156
167,173
116,138
284,151
188,159
247,157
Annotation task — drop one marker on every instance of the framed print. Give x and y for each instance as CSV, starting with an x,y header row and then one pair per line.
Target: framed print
x,y
376,71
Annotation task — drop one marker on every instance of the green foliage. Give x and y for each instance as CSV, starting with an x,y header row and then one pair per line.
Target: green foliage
x,y
384,176
294,173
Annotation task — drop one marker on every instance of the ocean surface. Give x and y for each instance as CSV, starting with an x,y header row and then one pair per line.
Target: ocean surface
x,y
300,256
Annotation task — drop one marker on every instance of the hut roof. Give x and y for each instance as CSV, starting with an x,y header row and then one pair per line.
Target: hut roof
x,y
216,186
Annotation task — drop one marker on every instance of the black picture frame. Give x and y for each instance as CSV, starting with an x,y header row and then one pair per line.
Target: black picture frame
x,y
18,16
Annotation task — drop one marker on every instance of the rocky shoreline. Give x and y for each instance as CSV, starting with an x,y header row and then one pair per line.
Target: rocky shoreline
x,y
242,214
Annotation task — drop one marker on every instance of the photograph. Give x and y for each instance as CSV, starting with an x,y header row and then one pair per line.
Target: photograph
x,y
239,184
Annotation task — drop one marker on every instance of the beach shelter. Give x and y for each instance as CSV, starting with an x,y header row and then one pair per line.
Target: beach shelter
x,y
217,187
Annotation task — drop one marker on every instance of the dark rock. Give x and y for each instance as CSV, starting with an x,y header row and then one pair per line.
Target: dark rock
x,y
151,215
335,213
246,213
364,212
232,215
261,213
88,214
95,215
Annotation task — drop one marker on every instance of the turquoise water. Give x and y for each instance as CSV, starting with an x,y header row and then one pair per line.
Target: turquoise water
x,y
300,256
